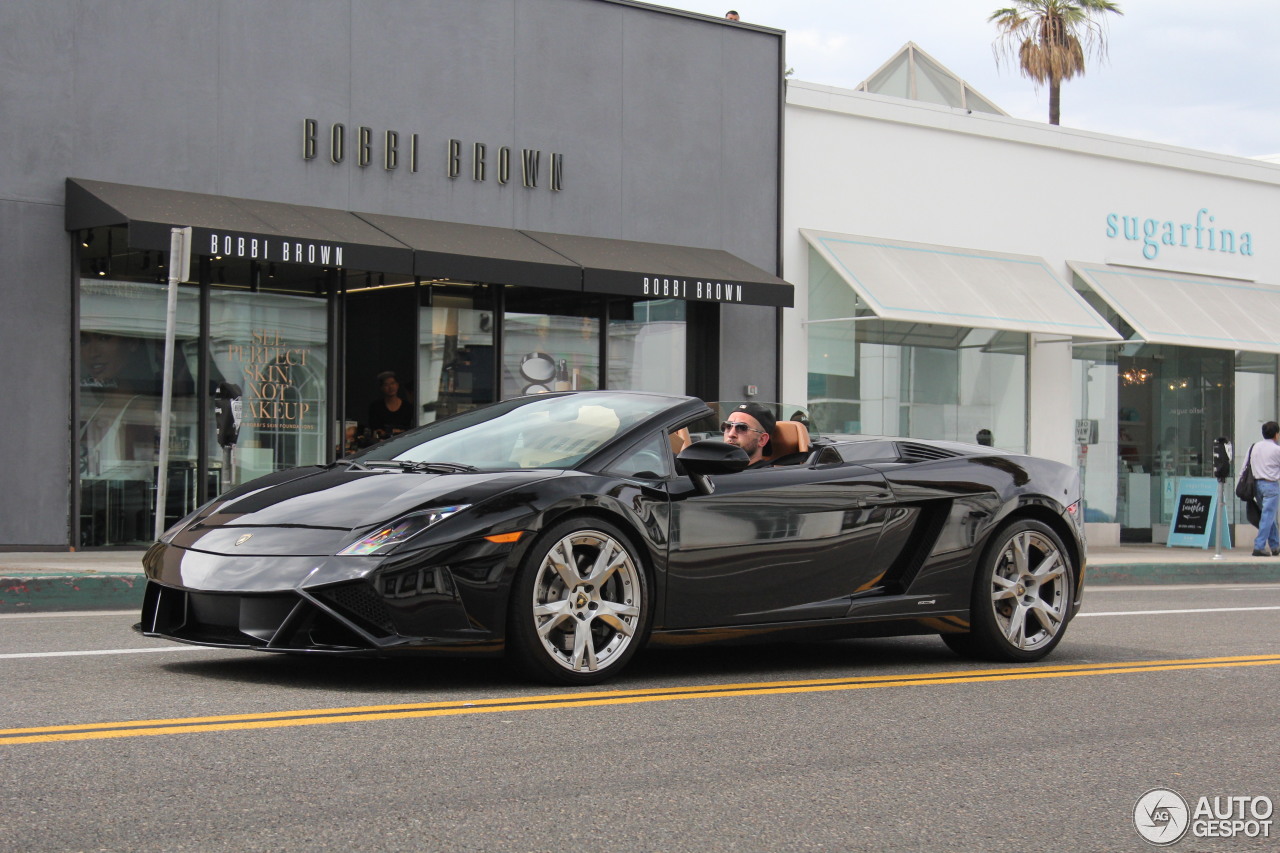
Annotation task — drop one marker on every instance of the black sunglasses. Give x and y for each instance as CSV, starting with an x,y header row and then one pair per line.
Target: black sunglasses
x,y
738,426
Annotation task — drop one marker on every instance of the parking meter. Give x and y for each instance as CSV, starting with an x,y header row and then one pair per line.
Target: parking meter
x,y
1222,458
1221,470
227,407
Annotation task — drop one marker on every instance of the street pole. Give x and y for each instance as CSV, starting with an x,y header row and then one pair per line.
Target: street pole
x,y
179,271
1221,520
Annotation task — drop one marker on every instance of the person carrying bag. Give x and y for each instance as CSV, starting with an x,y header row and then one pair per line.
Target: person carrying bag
x,y
1247,491
1265,476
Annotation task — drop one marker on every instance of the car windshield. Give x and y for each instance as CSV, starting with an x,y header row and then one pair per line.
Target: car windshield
x,y
543,431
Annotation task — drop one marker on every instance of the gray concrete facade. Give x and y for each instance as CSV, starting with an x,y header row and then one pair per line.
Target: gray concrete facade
x,y
669,125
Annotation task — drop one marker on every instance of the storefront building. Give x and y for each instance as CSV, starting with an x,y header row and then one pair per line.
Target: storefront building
x,y
960,274
484,199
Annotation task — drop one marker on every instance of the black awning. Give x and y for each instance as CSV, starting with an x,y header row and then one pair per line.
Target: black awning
x,y
237,227
293,233
656,269
479,253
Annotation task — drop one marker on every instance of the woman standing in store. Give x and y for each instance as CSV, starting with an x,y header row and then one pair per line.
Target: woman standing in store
x,y
390,413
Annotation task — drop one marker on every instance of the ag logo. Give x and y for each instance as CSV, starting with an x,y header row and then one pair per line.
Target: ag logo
x,y
1161,816
245,538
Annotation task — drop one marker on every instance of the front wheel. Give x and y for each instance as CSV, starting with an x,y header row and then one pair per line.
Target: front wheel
x,y
580,605
1022,596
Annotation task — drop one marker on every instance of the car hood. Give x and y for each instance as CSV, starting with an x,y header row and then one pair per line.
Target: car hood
x,y
316,512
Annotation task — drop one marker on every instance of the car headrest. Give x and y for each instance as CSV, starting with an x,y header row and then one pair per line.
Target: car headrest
x,y
680,439
788,437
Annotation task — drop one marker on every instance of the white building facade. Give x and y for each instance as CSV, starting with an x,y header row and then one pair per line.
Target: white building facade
x,y
1102,301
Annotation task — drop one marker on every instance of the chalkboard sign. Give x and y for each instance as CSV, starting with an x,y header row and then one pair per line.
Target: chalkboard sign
x,y
1195,513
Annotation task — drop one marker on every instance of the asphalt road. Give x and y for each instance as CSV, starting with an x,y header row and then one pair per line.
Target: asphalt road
x,y
109,741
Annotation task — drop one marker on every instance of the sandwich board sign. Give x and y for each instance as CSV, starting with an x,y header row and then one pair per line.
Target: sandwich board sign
x,y
1195,509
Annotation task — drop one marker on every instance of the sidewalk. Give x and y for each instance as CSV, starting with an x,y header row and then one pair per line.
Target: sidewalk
x,y
32,582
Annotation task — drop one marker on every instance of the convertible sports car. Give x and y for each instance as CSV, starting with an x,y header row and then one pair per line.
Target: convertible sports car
x,y
568,530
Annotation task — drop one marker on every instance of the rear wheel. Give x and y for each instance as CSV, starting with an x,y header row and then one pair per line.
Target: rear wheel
x,y
1022,596
580,604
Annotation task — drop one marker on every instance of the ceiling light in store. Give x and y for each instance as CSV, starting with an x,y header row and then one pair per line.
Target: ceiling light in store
x,y
1136,376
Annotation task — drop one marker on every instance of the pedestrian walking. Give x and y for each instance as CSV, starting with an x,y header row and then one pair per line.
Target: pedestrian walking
x,y
1264,461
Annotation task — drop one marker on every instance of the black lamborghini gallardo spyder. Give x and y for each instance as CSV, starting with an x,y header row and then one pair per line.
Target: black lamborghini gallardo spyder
x,y
569,530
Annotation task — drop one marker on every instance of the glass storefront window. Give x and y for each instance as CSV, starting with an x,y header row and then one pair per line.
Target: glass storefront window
x,y
1152,412
268,343
122,327
647,345
880,378
275,349
1256,392
455,350
1094,378
872,376
550,341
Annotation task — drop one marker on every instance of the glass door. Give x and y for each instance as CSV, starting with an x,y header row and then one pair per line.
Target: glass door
x,y
455,349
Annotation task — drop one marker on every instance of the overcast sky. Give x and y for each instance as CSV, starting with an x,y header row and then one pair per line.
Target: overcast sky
x,y
1201,74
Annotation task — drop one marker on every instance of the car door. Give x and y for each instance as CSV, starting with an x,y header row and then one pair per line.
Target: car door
x,y
776,544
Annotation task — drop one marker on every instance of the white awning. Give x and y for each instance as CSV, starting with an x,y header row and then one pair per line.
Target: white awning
x,y
1189,310
941,285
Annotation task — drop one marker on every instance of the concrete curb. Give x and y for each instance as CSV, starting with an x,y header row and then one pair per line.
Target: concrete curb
x,y
1154,574
44,593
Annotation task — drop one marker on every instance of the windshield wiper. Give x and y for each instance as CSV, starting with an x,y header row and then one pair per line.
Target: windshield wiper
x,y
438,467
352,464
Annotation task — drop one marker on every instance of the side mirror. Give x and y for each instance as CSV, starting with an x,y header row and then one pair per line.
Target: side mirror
x,y
710,456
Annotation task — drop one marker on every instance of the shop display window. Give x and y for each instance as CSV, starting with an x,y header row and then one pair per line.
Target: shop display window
x,y
550,341
1256,392
1148,415
877,377
274,349
647,350
455,350
267,340
122,329
262,348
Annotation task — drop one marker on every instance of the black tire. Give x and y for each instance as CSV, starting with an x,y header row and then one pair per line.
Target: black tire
x,y
1022,597
580,605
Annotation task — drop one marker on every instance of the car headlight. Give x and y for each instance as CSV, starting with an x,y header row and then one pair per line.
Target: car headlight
x,y
400,530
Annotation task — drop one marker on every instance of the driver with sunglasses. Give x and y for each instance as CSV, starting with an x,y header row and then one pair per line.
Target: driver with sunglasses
x,y
750,427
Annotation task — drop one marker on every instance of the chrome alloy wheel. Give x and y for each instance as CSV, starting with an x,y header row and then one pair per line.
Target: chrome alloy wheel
x,y
586,607
1029,590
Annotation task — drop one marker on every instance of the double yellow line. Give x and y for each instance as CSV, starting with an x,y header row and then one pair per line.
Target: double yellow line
x,y
368,713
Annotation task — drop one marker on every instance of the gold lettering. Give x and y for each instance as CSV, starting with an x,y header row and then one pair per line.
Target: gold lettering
x,y
309,126
455,158
391,150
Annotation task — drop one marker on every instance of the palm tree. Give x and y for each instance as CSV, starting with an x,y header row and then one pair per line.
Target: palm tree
x,y
1050,39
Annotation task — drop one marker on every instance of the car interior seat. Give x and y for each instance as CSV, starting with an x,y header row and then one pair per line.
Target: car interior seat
x,y
680,439
789,443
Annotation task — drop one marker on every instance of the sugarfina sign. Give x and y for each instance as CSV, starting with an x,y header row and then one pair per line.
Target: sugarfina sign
x,y
1203,234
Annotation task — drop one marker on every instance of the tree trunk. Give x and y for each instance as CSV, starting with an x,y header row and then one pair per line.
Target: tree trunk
x,y
1055,101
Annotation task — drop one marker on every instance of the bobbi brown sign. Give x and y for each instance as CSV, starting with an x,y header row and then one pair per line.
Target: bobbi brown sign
x,y
393,150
